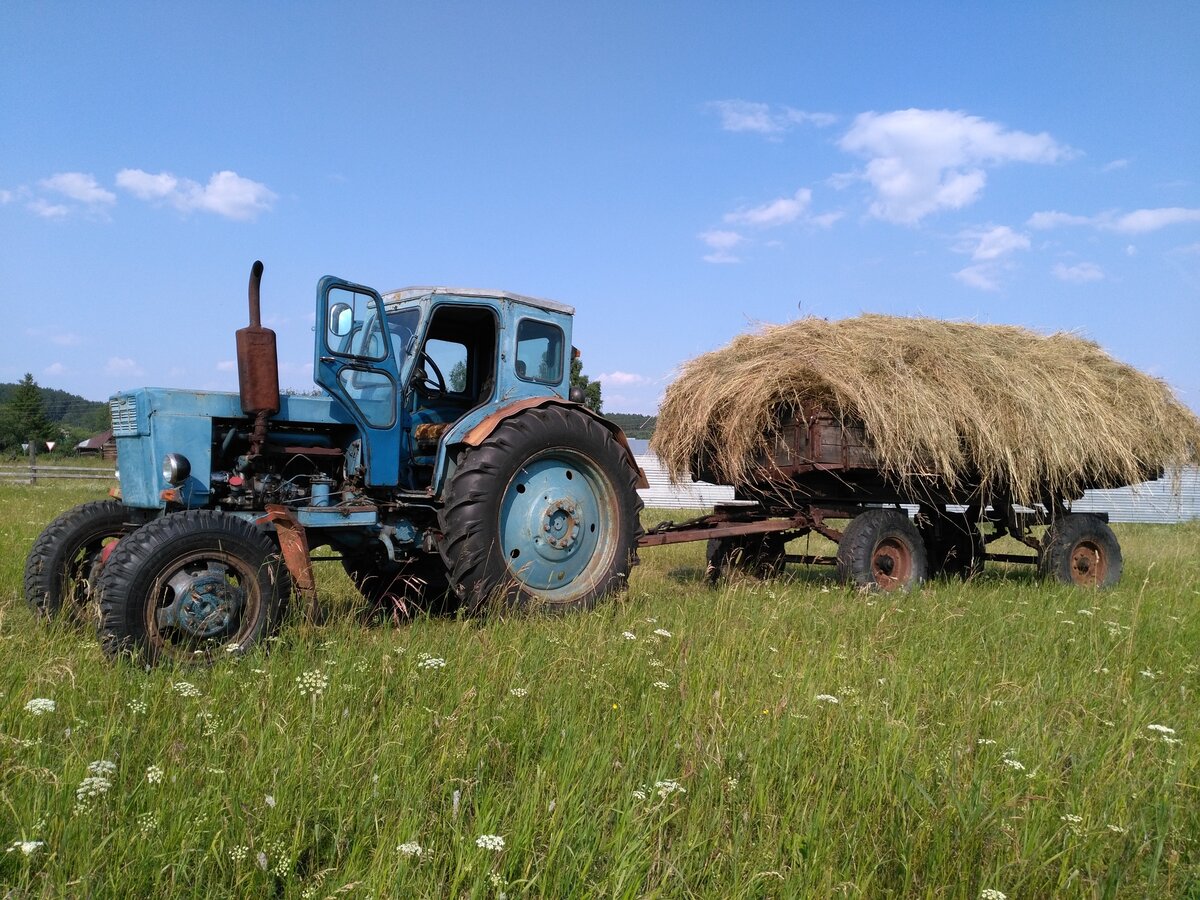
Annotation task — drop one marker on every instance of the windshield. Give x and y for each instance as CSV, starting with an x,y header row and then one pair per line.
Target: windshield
x,y
402,324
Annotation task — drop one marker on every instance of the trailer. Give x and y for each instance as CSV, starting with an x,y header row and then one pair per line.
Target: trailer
x,y
820,475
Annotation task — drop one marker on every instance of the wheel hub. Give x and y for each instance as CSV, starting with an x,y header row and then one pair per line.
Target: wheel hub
x,y
560,524
1087,564
205,605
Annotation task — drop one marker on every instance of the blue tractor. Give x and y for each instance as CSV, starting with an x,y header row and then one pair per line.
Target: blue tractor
x,y
446,462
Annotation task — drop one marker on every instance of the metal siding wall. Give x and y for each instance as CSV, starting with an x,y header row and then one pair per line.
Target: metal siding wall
x,y
662,494
1165,501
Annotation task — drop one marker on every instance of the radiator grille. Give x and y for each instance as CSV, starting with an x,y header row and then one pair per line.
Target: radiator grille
x,y
124,416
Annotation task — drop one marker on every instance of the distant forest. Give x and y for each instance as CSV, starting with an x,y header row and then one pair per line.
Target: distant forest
x,y
635,425
69,410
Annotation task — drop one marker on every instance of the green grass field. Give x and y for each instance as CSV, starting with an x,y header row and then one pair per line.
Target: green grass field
x,y
761,739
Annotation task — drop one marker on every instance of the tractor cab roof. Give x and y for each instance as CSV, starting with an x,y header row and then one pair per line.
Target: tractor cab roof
x,y
414,293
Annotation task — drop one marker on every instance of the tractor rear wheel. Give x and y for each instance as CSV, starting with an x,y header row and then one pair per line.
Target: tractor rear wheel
x,y
882,550
1081,549
61,569
189,586
542,514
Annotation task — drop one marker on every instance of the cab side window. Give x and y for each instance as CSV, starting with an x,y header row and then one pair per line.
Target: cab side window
x,y
539,352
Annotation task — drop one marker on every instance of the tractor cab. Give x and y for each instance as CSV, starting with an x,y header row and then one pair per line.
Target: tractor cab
x,y
435,364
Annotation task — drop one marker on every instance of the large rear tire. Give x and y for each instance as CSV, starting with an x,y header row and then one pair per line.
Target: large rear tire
x,y
542,514
61,569
190,586
881,550
1081,549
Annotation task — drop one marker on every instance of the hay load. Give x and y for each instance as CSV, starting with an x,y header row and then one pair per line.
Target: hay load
x,y
988,408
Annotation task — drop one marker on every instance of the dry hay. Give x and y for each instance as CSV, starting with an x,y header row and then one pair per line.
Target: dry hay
x,y
994,406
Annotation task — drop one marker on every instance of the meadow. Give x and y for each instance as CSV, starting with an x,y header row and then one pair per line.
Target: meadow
x,y
790,738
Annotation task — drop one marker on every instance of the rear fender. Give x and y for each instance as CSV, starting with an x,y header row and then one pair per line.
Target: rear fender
x,y
480,432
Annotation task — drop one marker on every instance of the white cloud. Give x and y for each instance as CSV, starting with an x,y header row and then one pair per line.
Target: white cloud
x,y
1142,220
1055,219
622,378
122,365
7,197
982,277
991,243
145,186
66,338
760,118
55,368
1080,273
721,243
46,209
79,186
1114,165
226,194
920,161
226,365
777,212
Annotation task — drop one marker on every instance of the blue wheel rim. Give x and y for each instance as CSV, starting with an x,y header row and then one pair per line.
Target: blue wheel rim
x,y
557,519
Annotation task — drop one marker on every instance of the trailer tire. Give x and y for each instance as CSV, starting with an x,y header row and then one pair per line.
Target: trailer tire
x,y
189,586
954,545
1080,549
881,550
756,555
388,586
543,514
61,569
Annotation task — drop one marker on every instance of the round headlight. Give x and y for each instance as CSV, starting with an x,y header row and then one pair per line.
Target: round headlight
x,y
176,468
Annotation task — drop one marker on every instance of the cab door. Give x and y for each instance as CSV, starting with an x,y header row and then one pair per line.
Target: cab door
x,y
355,364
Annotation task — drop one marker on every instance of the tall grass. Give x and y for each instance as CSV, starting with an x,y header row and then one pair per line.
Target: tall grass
x,y
759,739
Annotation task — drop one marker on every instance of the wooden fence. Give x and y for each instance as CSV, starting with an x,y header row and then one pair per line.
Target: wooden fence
x,y
32,474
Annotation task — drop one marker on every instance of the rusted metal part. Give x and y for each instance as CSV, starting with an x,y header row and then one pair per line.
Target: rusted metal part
x,y
303,451
1011,557
427,434
806,559
293,544
258,367
480,432
711,527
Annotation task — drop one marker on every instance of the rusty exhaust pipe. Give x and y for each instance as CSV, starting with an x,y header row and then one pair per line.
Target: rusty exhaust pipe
x,y
258,366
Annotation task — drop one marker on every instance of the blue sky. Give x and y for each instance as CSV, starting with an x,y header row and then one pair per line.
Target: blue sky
x,y
677,172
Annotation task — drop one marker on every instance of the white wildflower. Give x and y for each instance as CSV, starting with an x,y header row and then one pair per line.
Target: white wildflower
x,y
1071,819
519,692
992,894
313,683
105,768
431,662
185,689
137,706
27,848
154,774
629,635
410,849
985,742
662,632
39,706
731,783
1117,829
490,842
1084,612
826,698
639,794
665,789
661,685
1161,729
656,663
1013,764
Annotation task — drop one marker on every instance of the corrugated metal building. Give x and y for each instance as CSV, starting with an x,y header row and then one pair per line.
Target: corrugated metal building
x,y
1165,501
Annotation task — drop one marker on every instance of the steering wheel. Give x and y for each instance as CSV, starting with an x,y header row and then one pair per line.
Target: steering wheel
x,y
434,387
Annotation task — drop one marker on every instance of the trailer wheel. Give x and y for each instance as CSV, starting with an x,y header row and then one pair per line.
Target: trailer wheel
x,y
543,513
61,569
954,545
1081,549
757,555
883,551
190,586
400,589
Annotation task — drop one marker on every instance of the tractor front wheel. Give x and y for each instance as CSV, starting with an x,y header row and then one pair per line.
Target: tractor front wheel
x,y
61,569
542,514
189,586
